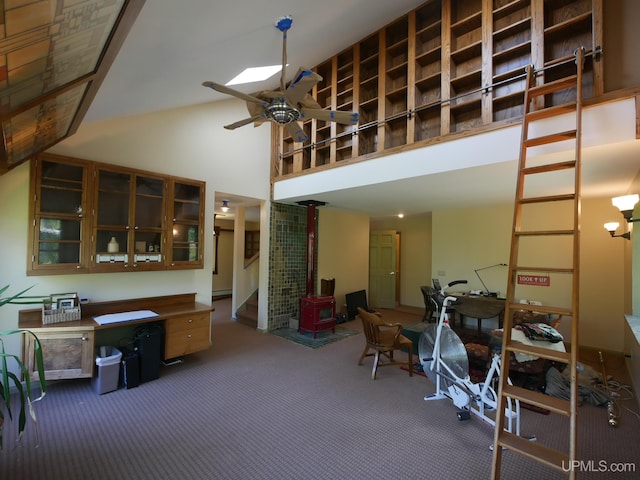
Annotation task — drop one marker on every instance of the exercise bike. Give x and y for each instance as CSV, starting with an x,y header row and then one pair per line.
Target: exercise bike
x,y
445,362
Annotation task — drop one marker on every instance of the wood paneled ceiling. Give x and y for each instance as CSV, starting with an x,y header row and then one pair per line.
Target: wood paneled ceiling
x,y
54,55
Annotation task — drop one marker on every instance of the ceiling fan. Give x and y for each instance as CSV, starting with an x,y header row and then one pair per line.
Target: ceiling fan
x,y
287,105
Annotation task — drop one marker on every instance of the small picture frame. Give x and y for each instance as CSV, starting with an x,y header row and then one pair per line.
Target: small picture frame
x,y
65,303
61,301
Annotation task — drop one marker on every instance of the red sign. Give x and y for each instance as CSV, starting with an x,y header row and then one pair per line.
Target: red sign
x,y
537,280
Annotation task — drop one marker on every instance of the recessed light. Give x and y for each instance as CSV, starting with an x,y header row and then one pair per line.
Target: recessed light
x,y
255,74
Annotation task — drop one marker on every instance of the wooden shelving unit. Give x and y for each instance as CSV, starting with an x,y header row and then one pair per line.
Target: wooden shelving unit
x,y
368,84
449,66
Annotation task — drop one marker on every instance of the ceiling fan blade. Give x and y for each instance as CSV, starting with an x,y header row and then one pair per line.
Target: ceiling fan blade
x,y
347,118
246,121
296,131
303,82
309,102
234,93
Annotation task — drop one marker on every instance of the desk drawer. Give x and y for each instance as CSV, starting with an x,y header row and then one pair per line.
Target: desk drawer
x,y
187,322
187,334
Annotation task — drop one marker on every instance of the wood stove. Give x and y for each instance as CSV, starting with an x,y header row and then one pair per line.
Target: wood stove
x,y
317,313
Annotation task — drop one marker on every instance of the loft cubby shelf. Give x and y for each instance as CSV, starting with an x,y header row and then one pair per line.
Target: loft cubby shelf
x,y
365,102
465,104
425,76
521,26
430,31
511,73
346,82
469,79
429,81
397,94
398,71
346,66
510,7
578,22
467,52
467,24
429,56
520,49
509,97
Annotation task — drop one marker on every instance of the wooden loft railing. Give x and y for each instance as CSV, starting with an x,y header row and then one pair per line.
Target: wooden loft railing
x,y
447,69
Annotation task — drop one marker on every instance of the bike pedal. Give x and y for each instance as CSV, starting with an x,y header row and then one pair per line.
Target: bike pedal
x,y
463,415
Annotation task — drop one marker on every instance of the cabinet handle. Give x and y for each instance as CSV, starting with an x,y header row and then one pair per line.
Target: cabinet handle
x,y
84,338
189,336
190,321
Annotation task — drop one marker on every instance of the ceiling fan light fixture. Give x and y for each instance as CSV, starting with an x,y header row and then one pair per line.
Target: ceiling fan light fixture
x,y
281,113
225,206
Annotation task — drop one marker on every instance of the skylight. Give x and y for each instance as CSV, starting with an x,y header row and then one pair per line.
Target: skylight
x,y
254,74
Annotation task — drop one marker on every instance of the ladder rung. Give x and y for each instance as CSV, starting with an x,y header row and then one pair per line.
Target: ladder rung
x,y
549,198
541,308
551,111
554,86
533,233
554,355
538,399
554,137
550,167
534,450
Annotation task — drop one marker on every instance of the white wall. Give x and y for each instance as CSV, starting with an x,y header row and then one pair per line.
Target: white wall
x,y
415,254
187,142
343,251
466,239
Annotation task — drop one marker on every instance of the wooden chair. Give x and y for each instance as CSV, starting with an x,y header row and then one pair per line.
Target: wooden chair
x,y
430,305
384,338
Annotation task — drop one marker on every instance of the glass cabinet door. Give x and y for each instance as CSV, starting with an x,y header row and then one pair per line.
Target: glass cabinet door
x,y
130,220
149,215
112,214
59,216
187,217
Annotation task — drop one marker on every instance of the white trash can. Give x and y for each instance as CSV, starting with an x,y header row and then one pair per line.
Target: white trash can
x,y
108,371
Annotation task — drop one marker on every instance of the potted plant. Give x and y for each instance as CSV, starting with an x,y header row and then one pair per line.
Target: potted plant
x,y
8,378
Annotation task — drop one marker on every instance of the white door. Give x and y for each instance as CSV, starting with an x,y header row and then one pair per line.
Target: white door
x,y
382,269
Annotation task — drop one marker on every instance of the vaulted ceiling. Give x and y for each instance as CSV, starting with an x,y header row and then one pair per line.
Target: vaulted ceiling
x,y
168,51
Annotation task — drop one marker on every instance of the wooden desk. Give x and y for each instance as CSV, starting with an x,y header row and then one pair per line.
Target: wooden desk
x,y
69,347
480,307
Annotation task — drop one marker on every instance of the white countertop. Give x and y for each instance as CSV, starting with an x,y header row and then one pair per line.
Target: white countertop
x,y
634,324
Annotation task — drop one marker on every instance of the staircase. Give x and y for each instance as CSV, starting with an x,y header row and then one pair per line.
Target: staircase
x,y
247,314
552,240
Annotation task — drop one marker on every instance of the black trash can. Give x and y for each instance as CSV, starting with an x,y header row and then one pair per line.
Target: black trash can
x,y
148,344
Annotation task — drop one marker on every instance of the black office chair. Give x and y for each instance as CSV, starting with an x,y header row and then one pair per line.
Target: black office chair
x,y
438,299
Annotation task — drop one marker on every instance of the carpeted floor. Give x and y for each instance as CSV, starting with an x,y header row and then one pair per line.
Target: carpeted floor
x,y
254,407
321,339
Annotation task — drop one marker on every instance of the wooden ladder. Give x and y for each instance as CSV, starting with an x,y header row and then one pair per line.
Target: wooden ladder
x,y
545,247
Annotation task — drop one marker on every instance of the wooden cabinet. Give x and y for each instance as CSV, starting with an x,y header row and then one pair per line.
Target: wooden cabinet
x,y
446,68
67,352
187,334
90,217
130,209
59,206
187,224
69,347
